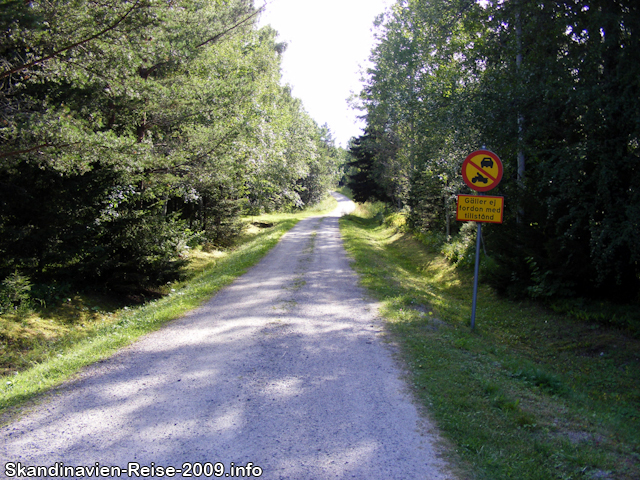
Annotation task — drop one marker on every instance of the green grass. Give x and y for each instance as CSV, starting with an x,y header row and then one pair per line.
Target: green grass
x,y
346,191
42,349
530,394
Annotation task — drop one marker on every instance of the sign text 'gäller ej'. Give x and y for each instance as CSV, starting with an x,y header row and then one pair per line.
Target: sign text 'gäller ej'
x,y
480,208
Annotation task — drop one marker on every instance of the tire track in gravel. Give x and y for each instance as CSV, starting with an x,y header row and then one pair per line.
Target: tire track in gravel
x,y
285,368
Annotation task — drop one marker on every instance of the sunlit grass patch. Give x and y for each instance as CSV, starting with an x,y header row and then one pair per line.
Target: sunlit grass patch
x,y
346,191
29,337
200,259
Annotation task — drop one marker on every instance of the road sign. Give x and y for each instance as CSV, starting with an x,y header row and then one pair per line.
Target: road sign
x,y
482,170
480,208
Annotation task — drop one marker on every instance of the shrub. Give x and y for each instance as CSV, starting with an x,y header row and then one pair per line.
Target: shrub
x,y
396,219
15,292
460,251
433,240
377,210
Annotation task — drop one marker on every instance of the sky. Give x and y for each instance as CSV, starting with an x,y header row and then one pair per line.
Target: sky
x,y
329,42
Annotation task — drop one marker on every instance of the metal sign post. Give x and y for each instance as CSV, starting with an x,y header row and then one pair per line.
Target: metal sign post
x,y
481,171
476,271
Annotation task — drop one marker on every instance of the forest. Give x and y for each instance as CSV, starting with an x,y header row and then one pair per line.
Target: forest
x,y
130,129
552,87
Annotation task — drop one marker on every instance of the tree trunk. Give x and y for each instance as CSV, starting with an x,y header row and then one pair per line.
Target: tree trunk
x,y
520,157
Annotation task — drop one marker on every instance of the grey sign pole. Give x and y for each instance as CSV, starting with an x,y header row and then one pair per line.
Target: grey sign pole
x,y
475,275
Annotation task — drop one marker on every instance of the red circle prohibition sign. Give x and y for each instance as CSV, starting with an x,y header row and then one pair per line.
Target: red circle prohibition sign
x,y
482,170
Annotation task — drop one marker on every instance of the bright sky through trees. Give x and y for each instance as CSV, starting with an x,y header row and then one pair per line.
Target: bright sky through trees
x,y
328,42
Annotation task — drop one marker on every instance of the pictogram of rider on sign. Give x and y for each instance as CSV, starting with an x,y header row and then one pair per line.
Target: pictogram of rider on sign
x,y
482,170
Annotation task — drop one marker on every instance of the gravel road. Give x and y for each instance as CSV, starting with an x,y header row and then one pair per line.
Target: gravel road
x,y
286,368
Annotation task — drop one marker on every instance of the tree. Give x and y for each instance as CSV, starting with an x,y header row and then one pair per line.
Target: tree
x,y
361,177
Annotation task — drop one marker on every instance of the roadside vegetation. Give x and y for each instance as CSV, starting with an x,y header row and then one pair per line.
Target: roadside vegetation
x,y
531,393
552,88
137,139
42,347
130,130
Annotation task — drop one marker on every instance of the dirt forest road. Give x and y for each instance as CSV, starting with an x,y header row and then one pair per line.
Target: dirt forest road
x,y
283,374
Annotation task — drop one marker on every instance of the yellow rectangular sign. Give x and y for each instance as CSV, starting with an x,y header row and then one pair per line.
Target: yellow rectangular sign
x,y
480,208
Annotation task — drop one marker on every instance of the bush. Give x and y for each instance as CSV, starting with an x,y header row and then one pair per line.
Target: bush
x,y
460,251
52,293
396,219
374,210
136,251
433,240
15,293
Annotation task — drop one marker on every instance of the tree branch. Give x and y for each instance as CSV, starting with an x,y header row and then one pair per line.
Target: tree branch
x,y
69,47
224,139
37,147
230,29
28,150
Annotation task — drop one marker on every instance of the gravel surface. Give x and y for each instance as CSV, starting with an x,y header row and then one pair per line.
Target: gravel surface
x,y
286,368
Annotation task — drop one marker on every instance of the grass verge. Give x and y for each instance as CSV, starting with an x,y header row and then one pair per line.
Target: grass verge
x,y
530,394
50,346
346,191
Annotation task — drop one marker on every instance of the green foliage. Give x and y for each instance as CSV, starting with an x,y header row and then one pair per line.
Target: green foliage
x,y
323,169
361,177
376,211
397,220
553,88
15,293
461,250
430,209
129,129
433,240
136,251
624,317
